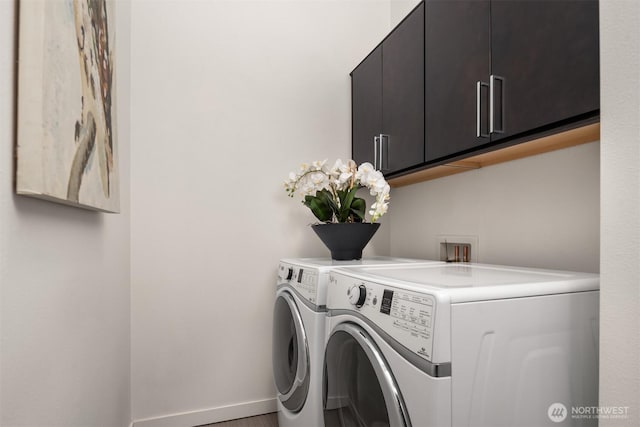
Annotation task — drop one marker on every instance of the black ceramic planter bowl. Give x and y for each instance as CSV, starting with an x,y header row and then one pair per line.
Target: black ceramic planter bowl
x,y
346,240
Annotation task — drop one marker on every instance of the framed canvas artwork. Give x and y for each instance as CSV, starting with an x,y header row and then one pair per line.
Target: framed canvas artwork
x,y
67,147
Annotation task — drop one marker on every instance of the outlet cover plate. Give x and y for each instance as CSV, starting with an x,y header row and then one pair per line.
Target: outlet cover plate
x,y
465,240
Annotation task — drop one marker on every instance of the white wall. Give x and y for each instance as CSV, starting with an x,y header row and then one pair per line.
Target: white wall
x,y
620,226
541,211
64,282
227,98
399,9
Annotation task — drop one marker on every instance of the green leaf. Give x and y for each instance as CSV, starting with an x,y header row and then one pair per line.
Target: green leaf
x,y
340,212
328,198
346,200
358,209
349,198
319,207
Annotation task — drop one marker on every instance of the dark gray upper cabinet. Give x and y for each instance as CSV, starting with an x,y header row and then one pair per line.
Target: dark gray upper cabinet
x,y
388,100
458,77
499,70
366,106
548,54
457,44
403,95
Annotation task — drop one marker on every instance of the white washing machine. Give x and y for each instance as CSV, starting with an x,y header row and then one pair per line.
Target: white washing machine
x,y
460,345
299,334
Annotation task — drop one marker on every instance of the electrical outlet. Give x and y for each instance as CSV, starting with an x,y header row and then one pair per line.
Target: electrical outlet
x,y
454,248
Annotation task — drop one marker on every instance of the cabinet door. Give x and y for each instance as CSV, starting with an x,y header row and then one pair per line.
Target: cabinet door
x,y
547,52
457,45
366,106
403,94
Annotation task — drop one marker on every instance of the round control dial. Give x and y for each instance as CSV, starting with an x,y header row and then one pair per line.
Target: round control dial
x,y
357,295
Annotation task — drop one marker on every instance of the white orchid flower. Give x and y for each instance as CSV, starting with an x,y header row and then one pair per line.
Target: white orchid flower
x,y
365,168
318,165
342,176
338,167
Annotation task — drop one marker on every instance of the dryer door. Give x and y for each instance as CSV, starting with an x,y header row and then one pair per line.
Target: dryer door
x,y
290,353
359,387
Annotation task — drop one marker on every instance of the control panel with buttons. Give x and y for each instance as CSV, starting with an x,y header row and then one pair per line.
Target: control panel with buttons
x,y
305,281
405,315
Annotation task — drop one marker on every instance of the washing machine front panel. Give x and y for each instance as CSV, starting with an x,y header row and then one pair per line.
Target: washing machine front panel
x,y
418,323
360,389
291,365
368,380
305,280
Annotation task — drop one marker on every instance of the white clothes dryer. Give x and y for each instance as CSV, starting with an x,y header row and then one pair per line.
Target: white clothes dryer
x,y
460,345
299,333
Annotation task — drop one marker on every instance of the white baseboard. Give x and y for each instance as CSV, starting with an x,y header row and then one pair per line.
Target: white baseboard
x,y
208,416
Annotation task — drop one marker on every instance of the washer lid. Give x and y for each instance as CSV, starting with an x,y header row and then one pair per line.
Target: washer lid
x,y
472,282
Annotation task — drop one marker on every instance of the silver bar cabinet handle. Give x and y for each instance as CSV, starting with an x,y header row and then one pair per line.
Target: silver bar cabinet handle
x,y
383,137
492,127
479,86
376,141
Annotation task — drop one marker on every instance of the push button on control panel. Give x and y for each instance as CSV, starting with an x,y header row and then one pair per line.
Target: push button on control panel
x,y
411,314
